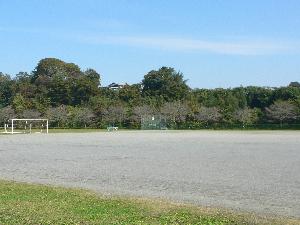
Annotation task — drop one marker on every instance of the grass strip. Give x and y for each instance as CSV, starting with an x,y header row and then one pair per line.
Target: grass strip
x,y
22,203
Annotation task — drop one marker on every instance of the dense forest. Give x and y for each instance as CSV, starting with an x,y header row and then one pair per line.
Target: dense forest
x,y
72,98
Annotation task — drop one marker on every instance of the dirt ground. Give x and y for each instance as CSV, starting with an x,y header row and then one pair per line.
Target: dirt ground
x,y
255,171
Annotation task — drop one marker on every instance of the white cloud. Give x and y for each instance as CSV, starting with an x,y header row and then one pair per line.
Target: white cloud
x,y
232,46
242,47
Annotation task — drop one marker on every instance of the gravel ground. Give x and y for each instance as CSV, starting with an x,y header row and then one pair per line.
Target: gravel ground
x,y
249,171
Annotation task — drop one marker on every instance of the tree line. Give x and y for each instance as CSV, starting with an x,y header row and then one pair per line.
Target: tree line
x,y
72,98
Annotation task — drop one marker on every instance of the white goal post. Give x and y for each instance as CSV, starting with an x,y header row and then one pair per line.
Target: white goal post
x,y
12,121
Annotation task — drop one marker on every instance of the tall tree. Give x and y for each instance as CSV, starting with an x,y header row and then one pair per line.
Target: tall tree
x,y
19,104
258,97
93,76
6,90
50,67
165,82
286,93
24,86
65,83
59,91
82,89
131,94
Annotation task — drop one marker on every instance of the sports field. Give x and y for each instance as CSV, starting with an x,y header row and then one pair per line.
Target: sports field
x,y
255,171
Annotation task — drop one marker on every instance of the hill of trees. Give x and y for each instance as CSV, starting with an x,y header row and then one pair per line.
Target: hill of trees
x,y
73,98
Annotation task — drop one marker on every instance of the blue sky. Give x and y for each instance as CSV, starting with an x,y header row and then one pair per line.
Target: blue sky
x,y
214,43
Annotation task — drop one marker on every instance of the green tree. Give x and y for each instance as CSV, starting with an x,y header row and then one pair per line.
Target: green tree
x,y
131,94
241,96
19,104
82,89
59,91
93,76
80,116
258,97
227,100
24,86
165,82
41,103
6,90
65,83
50,67
286,93
246,116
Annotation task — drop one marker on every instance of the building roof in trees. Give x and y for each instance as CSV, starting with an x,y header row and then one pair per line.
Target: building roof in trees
x,y
115,86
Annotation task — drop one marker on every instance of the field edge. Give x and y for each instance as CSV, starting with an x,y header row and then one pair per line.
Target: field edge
x,y
25,203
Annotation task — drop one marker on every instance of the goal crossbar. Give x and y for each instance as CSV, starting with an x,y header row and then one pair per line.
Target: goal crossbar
x,y
13,120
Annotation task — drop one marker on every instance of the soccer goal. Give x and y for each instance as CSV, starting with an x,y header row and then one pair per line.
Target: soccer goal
x,y
26,126
153,122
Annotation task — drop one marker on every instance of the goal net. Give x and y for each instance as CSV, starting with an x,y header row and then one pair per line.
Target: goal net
x,y
26,126
153,122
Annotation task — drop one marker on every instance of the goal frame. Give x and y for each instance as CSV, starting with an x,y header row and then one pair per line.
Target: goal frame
x,y
13,120
153,122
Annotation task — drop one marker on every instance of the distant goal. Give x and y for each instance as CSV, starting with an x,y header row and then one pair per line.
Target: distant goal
x,y
153,122
26,126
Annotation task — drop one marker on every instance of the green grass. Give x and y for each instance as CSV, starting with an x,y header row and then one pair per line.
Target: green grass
x,y
22,203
